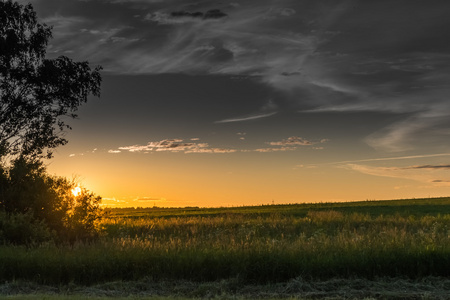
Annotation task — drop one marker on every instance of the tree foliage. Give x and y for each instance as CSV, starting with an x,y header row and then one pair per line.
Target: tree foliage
x,y
36,93
30,200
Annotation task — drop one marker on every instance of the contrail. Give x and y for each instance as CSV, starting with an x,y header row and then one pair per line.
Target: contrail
x,y
247,118
389,158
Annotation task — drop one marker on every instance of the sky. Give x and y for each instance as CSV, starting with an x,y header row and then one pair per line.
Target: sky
x,y
230,103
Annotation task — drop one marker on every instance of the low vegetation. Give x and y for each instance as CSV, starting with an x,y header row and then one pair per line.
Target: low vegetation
x,y
254,244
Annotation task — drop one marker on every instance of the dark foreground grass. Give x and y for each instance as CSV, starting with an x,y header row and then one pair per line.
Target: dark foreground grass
x,y
101,263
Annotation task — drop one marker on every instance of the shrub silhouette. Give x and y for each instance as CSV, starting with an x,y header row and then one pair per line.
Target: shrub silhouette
x,y
31,197
23,229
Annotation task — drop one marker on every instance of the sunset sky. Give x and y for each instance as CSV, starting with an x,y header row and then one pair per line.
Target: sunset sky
x,y
225,103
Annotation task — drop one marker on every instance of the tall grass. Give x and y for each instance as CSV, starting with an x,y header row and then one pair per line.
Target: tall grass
x,y
254,248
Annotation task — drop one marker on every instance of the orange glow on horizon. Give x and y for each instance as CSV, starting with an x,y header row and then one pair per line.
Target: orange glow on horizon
x,y
239,179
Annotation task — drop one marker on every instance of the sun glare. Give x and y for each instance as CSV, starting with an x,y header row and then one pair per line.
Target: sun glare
x,y
76,191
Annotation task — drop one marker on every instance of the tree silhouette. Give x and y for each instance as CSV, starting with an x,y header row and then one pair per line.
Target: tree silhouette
x,y
36,93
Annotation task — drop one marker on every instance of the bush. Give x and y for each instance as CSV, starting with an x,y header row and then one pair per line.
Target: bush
x,y
31,197
81,219
23,229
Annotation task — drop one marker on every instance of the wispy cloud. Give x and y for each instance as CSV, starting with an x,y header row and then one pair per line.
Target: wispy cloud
x,y
182,17
394,172
84,153
133,201
296,141
148,199
241,135
246,118
289,144
211,150
425,174
193,146
317,55
436,167
293,140
246,39
406,134
281,149
174,145
391,158
112,202
267,110
114,151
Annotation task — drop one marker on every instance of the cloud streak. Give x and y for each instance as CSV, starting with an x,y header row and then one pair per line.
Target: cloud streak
x,y
296,141
173,145
267,110
193,146
426,173
435,167
247,118
281,149
390,158
182,17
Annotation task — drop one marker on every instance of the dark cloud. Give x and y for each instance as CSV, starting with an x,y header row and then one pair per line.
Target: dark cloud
x,y
210,14
430,167
178,14
294,73
214,14
182,16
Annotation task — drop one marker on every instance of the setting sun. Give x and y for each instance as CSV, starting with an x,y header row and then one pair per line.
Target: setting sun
x,y
76,191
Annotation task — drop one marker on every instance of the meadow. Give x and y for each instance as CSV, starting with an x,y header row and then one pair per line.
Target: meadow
x,y
261,245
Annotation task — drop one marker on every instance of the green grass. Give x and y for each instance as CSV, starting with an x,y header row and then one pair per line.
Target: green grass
x,y
257,245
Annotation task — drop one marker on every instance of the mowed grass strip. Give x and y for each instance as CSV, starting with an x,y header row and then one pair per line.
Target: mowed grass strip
x,y
233,288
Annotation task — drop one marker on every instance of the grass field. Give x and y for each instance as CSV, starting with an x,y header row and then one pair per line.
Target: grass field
x,y
265,246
